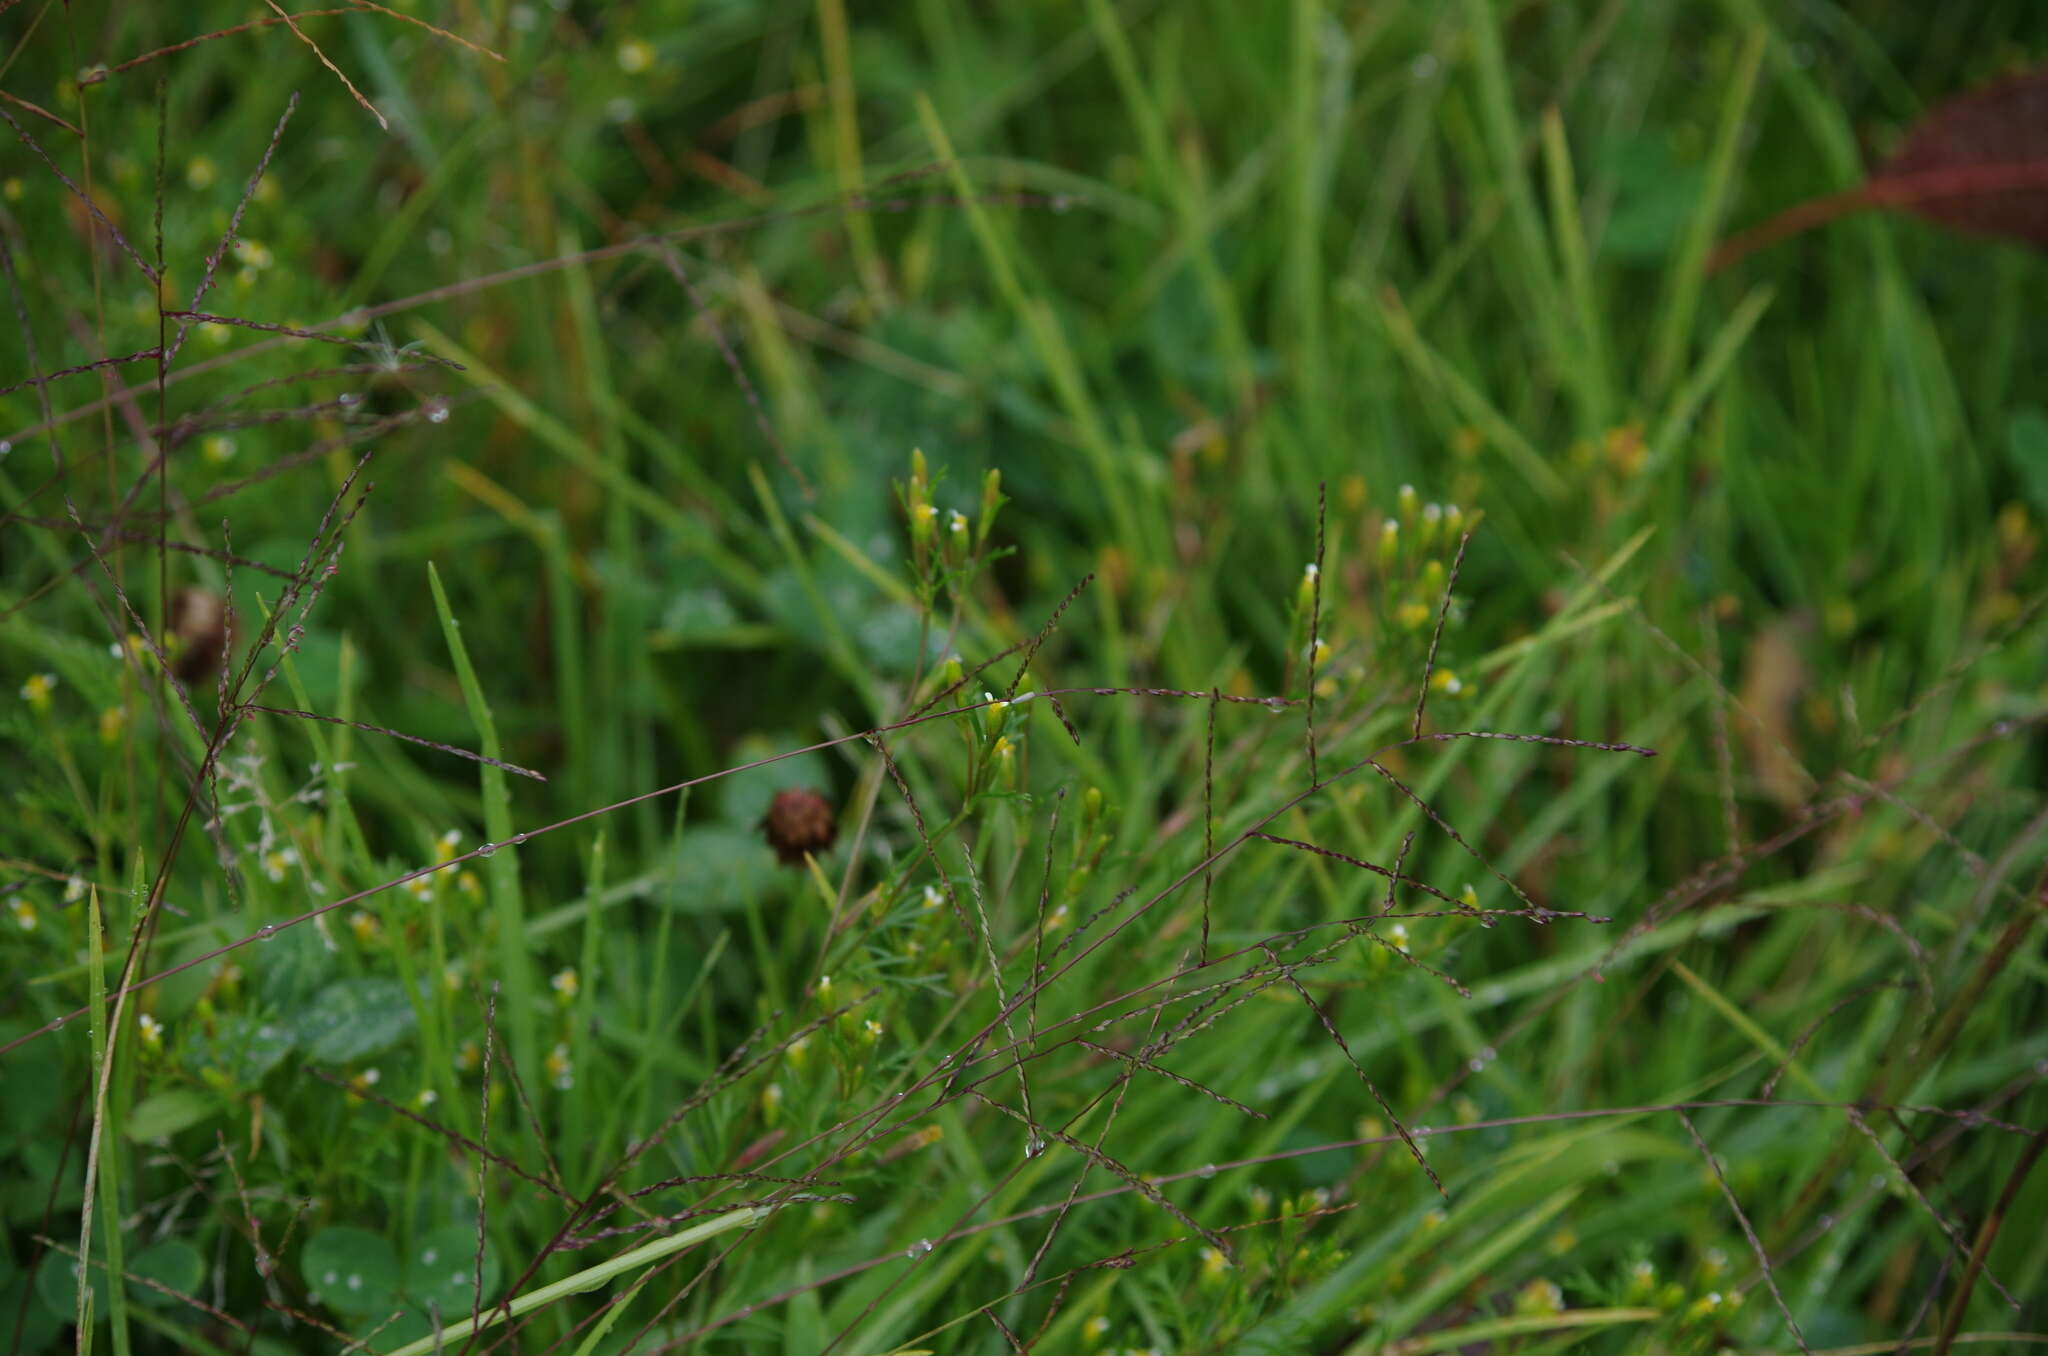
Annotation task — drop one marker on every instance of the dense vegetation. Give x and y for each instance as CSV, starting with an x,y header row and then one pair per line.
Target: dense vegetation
x,y
1399,764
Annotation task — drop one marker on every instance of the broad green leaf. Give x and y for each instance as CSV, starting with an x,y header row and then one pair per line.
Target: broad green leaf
x,y
167,1113
351,1271
354,1019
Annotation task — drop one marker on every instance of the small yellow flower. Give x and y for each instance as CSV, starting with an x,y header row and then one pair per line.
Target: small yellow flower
x,y
367,1079
565,984
1433,1220
74,889
560,1072
278,861
1214,1263
799,1051
1057,919
425,1098
217,449
825,987
365,926
1466,442
1446,682
23,912
928,1136
200,173
1625,448
152,1032
771,1103
1096,1328
470,1057
871,1030
112,721
445,846
468,883
216,334
636,56
12,188
1412,615
253,254
36,691
1704,1305
932,897
1540,1299
420,887
451,978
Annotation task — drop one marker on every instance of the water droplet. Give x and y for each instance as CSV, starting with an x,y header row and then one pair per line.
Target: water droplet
x,y
921,1248
487,850
1423,66
266,932
56,1022
438,415
517,839
347,398
1206,1170
1034,1146
5,447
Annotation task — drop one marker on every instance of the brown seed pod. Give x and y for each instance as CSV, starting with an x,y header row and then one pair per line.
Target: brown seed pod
x,y
799,821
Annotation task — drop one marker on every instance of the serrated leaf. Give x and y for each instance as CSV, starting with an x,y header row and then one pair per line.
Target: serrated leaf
x,y
164,1115
351,1271
244,1048
355,1018
295,963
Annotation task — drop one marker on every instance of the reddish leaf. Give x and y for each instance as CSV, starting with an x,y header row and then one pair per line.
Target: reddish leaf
x,y
1979,163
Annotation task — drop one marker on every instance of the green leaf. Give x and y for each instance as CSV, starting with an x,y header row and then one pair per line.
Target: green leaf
x,y
35,1085
173,1264
743,797
57,1286
351,1271
244,1048
440,1272
167,1113
719,868
295,963
354,1019
2026,444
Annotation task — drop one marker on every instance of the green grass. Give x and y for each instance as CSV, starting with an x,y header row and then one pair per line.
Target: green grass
x,y
1126,1016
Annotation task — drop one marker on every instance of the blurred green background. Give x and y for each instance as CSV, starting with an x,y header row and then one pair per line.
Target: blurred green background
x,y
1219,289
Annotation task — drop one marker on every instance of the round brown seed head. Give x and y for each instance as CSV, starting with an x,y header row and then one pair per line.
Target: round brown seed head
x,y
799,821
